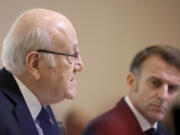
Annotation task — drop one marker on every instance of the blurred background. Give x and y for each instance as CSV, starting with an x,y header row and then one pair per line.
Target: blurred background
x,y
110,32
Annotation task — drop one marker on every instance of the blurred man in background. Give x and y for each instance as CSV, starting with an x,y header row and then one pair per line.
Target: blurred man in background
x,y
75,121
40,58
154,82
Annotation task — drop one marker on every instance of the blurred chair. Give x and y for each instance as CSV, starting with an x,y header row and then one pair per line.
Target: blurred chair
x,y
61,128
75,121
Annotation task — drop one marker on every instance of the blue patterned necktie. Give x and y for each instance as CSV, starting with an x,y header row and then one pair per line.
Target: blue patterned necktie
x,y
151,131
45,122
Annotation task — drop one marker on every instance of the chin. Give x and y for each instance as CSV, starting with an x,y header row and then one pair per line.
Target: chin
x,y
71,95
158,117
55,101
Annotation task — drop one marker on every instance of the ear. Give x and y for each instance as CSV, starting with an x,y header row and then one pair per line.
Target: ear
x,y
131,81
32,64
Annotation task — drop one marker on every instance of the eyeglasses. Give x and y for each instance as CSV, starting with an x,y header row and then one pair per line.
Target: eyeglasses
x,y
75,56
59,53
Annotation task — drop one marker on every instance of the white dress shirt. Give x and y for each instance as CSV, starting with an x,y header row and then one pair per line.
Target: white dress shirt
x,y
144,124
31,101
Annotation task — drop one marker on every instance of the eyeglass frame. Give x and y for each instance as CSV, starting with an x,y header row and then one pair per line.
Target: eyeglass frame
x,y
75,56
59,53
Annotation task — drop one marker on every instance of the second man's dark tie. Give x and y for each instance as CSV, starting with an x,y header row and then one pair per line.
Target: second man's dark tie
x,y
151,131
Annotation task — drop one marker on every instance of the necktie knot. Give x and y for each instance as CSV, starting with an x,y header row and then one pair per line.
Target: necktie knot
x,y
43,116
151,131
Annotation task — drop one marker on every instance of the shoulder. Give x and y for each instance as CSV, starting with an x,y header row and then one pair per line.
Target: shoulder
x,y
6,105
8,97
112,122
8,122
116,121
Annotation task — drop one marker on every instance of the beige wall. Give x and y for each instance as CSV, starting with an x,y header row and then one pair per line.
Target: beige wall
x,y
110,32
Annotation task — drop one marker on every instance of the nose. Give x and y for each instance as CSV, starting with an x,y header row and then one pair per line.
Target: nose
x,y
163,92
79,65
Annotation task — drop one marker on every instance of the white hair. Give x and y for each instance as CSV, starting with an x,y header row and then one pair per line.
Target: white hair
x,y
17,46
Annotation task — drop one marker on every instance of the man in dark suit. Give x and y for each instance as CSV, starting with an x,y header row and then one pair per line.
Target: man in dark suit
x,y
154,82
40,58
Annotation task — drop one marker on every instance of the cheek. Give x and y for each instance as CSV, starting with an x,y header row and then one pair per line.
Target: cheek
x,y
146,97
142,93
171,100
65,75
146,93
64,67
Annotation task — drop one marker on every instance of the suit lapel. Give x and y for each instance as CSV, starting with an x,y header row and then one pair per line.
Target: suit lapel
x,y
131,120
21,111
133,123
25,120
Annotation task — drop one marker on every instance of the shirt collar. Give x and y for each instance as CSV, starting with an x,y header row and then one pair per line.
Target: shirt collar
x,y
144,124
30,99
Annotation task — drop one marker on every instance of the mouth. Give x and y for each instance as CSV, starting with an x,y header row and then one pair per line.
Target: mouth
x,y
72,80
159,108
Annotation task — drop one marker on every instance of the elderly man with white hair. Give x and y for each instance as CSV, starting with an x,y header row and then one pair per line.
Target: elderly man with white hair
x,y
41,58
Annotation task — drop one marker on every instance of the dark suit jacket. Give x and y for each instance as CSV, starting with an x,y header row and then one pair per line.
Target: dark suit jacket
x,y
118,121
15,117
